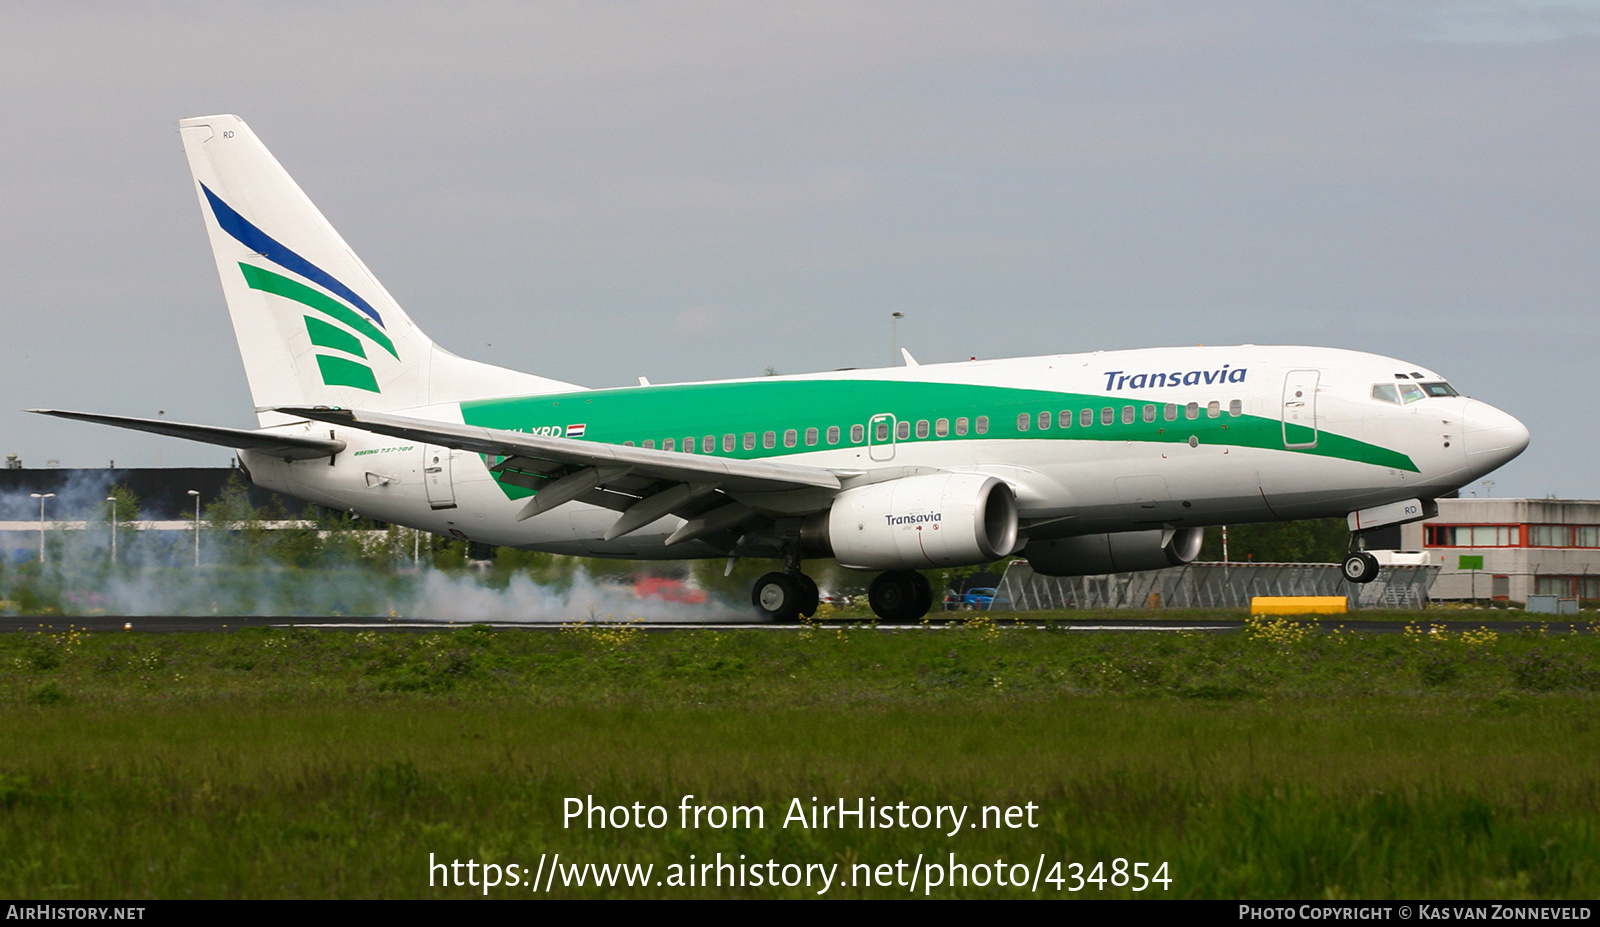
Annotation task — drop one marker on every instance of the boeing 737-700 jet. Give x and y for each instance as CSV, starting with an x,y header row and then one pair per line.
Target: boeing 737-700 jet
x,y
1083,463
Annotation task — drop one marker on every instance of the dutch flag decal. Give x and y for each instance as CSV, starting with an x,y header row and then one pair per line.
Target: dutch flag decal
x,y
574,431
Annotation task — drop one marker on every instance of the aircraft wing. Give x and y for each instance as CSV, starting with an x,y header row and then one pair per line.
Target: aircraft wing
x,y
729,475
288,447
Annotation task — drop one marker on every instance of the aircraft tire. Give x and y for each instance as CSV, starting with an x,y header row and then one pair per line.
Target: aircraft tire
x,y
924,601
809,595
778,596
900,595
1360,568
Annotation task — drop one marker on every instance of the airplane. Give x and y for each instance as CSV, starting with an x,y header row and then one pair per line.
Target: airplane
x,y
1109,461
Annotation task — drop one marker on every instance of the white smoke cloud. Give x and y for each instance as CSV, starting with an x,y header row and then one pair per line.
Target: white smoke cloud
x,y
155,575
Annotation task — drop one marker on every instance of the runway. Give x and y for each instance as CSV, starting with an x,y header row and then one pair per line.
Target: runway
x,y
168,624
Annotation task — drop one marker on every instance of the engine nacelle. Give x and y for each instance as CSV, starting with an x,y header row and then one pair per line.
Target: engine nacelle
x,y
1122,552
943,519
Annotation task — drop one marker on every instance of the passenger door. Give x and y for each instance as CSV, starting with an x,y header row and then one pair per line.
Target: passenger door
x,y
1300,409
436,476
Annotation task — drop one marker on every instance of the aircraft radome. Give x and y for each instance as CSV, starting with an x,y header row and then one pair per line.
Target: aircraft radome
x,y
1083,463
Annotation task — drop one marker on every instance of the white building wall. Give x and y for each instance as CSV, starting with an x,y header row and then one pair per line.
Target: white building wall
x,y
1518,568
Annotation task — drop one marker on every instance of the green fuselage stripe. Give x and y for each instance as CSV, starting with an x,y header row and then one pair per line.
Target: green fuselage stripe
x,y
277,284
678,412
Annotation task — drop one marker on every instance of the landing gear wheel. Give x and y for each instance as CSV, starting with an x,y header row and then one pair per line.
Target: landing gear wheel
x,y
900,595
1360,568
809,595
924,596
778,596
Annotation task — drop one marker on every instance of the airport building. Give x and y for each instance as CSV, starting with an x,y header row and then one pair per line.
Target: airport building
x,y
1509,549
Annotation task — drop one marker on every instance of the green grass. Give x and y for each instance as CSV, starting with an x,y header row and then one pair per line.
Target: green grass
x,y
1279,763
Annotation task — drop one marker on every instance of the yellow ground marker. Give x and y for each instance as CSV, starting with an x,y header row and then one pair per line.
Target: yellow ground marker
x,y
1299,605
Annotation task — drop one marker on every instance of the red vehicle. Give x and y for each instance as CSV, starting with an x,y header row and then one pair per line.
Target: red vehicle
x,y
670,590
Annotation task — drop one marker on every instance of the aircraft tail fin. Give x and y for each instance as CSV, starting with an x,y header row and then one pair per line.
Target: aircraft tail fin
x,y
314,326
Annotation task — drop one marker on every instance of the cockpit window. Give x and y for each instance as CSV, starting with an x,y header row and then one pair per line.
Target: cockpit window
x,y
1411,392
1440,389
1385,392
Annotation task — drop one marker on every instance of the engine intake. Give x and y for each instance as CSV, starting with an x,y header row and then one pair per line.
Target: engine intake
x,y
943,519
1122,552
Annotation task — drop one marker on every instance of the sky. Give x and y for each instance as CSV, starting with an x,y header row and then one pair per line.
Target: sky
x,y
597,191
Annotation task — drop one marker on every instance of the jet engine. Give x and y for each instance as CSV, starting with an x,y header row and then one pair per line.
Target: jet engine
x,y
917,522
1121,552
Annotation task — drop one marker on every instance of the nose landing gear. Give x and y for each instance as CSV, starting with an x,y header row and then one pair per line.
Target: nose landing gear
x,y
1359,567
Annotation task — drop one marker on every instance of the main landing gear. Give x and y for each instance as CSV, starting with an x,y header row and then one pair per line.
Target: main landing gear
x,y
899,595
785,596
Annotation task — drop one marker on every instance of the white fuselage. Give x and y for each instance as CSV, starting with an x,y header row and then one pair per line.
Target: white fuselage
x,y
1276,433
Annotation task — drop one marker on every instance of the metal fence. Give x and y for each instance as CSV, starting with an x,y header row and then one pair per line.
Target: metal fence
x,y
1211,585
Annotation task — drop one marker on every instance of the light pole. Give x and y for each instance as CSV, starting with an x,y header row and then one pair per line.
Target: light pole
x,y
894,337
113,501
41,496
196,494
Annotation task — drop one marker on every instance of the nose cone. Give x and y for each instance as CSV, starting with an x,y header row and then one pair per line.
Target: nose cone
x,y
1491,437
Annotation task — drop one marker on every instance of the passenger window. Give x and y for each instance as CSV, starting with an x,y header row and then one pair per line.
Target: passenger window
x,y
1108,415
941,428
982,425
650,443
1086,418
833,434
857,434
790,438
627,444
1127,415
1065,418
728,442
749,440
961,425
880,431
922,428
1170,412
1411,392
1213,409
688,445
1023,421
1044,420
1385,392
902,430
669,445
1236,408
811,437
1191,411
1149,413
708,444
769,440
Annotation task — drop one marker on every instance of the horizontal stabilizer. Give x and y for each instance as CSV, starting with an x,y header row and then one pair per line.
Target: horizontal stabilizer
x,y
730,474
288,447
